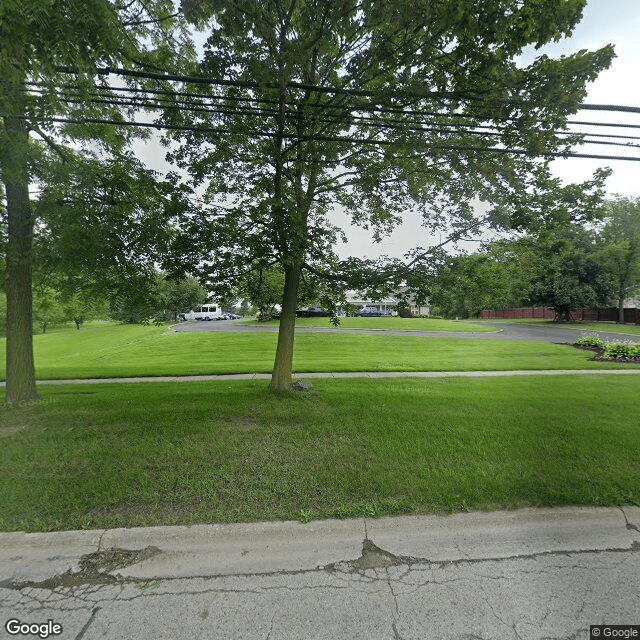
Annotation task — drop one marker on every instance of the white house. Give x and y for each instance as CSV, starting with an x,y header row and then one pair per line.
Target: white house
x,y
385,304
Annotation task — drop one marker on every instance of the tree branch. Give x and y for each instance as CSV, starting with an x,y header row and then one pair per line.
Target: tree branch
x,y
59,150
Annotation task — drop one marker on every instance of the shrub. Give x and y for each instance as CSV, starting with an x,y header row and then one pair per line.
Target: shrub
x,y
590,341
616,350
626,349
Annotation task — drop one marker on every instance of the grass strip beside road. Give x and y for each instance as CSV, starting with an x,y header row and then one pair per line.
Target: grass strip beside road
x,y
104,351
168,453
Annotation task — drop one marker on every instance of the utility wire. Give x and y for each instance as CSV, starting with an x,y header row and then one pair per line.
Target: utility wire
x,y
149,104
379,126
187,105
442,123
342,108
245,84
367,142
436,95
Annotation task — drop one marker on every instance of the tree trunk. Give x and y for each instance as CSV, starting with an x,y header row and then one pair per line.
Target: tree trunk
x,y
281,377
621,308
21,379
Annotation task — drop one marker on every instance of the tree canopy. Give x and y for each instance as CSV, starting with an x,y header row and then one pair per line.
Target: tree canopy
x,y
375,107
580,263
297,107
39,41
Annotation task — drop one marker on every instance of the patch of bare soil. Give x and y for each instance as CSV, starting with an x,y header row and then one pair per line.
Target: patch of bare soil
x,y
5,432
243,423
95,568
161,511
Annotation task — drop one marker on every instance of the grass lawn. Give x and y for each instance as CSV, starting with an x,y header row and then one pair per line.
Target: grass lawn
x,y
109,350
604,327
169,453
388,323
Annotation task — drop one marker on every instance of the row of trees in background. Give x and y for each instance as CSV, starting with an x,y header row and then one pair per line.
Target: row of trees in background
x,y
564,267
154,299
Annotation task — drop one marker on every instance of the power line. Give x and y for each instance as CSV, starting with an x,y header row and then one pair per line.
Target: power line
x,y
367,142
609,107
354,107
437,95
442,123
246,84
440,128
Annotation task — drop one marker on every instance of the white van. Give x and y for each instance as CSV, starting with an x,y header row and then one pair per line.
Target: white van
x,y
207,311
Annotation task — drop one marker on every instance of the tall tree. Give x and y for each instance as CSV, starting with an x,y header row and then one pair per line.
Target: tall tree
x,y
494,278
621,253
527,269
37,37
569,273
371,106
179,295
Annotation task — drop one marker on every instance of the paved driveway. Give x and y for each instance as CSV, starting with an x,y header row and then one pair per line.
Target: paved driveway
x,y
507,331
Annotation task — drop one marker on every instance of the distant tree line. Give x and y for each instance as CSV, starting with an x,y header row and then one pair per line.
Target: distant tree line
x,y
565,267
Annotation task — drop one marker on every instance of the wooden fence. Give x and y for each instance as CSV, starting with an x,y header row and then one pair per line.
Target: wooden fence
x,y
609,314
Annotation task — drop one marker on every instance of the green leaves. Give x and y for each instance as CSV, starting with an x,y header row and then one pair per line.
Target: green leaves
x,y
405,85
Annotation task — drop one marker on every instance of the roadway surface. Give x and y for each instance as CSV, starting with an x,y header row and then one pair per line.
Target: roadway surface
x,y
530,574
506,331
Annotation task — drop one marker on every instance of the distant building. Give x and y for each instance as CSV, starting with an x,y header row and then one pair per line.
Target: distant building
x,y
385,304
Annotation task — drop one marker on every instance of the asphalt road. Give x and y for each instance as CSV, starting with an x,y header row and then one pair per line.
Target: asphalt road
x,y
507,331
528,574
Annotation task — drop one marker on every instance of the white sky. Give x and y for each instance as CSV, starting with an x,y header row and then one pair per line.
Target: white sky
x,y
604,21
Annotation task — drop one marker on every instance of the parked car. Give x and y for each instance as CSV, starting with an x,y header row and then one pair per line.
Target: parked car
x,y
313,312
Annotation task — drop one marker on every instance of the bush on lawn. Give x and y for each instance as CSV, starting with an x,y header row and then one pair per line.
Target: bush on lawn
x,y
624,349
590,341
610,350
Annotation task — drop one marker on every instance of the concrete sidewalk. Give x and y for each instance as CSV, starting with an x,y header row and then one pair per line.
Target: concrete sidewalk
x,y
349,374
524,574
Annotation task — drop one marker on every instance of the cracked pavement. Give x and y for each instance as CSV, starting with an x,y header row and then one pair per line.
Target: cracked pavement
x,y
525,574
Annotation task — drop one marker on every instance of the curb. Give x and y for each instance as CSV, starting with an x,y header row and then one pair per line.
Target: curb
x,y
270,547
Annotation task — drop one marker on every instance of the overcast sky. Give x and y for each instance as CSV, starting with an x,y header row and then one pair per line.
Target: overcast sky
x,y
604,21
616,22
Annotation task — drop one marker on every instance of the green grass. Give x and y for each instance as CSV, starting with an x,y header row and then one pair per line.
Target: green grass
x,y
110,350
604,327
169,453
389,323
